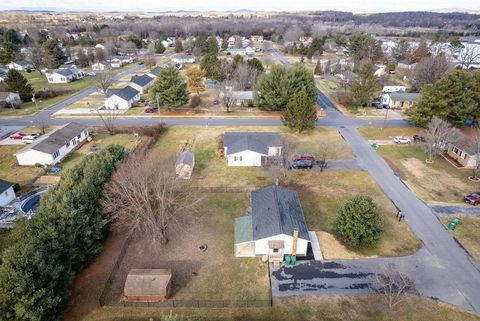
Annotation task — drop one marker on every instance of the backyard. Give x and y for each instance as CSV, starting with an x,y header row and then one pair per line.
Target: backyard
x,y
10,171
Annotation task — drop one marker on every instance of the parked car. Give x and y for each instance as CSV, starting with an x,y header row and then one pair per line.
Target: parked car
x,y
302,161
473,199
91,74
419,139
377,104
401,140
150,110
17,135
30,138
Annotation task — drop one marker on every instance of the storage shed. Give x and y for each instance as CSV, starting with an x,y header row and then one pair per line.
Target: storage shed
x,y
184,165
148,285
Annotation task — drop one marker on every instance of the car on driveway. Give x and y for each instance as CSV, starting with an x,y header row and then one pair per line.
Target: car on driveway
x,y
473,199
401,140
419,139
30,138
17,135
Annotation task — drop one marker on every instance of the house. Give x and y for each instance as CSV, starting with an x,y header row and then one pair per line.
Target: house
x,y
251,148
241,98
142,83
184,59
99,46
124,98
249,51
9,98
237,51
7,194
20,65
270,228
231,41
406,64
401,99
148,285
393,89
184,165
379,70
60,76
115,62
68,66
464,152
54,146
210,84
102,65
154,71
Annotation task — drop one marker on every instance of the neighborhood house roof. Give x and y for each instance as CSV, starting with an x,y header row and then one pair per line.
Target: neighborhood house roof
x,y
56,139
147,282
277,210
64,72
466,144
126,93
399,96
4,95
142,80
236,142
4,185
186,158
155,71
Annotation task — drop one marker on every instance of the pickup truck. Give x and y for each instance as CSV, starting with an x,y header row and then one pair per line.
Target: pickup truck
x,y
473,199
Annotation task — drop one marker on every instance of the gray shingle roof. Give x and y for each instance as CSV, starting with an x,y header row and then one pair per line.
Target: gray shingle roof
x,y
277,210
142,80
400,96
4,185
243,229
56,139
155,71
64,72
253,141
186,158
126,93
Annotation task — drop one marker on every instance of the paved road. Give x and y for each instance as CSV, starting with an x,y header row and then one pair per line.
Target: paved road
x,y
445,210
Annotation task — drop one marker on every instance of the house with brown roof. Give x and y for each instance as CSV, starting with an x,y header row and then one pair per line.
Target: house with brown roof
x,y
464,152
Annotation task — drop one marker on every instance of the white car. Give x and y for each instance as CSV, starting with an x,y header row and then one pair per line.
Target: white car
x,y
30,138
401,140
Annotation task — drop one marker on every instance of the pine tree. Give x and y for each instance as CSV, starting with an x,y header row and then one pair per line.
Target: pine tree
x,y
300,114
365,86
359,222
159,47
318,69
170,88
178,46
17,83
211,65
224,44
54,53
195,78
256,64
212,45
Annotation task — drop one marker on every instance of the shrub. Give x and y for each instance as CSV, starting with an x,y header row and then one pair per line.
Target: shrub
x,y
358,222
344,99
195,101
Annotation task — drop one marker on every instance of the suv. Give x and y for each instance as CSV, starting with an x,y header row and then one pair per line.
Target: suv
x,y
473,199
401,140
303,161
30,138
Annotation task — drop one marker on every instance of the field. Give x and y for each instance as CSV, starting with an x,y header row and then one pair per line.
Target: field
x,y
467,233
92,101
388,133
363,308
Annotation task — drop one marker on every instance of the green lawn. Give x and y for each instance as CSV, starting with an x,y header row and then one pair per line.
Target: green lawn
x,y
360,308
10,171
467,233
437,182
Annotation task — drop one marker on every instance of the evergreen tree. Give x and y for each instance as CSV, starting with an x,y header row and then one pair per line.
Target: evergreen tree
x,y
54,53
454,98
195,80
316,47
359,222
212,45
159,47
178,46
170,88
17,83
318,68
300,114
224,44
256,64
8,51
363,46
364,86
211,65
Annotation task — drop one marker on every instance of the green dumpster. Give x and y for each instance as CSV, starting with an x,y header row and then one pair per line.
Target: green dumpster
x,y
375,146
287,259
293,259
453,224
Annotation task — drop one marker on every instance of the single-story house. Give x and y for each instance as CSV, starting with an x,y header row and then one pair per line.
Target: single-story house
x,y
393,89
401,99
68,66
270,228
148,285
7,194
154,71
142,83
463,151
20,65
249,51
184,165
102,65
184,59
115,62
406,64
9,98
379,70
237,51
124,98
54,146
251,148
60,76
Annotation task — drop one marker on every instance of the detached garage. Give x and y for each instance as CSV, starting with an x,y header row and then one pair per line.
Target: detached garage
x,y
148,285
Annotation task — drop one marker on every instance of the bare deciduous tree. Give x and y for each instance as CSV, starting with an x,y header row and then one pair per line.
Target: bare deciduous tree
x,y
145,196
109,118
42,126
244,76
393,285
224,92
438,135
430,69
468,56
326,152
103,84
475,150
279,166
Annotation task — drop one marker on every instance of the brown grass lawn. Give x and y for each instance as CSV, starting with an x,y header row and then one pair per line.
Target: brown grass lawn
x,y
10,171
361,308
467,233
388,133
324,193
437,182
92,101
210,170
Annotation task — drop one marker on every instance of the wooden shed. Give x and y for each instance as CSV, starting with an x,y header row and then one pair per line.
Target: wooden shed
x,y
148,285
184,165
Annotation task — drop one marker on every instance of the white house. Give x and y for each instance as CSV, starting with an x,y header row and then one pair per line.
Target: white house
x,y
184,59
270,228
142,83
60,76
102,65
9,98
237,51
7,194
393,89
251,148
99,46
124,98
20,65
249,51
406,64
54,146
379,70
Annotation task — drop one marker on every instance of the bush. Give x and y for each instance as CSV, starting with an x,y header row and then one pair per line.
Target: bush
x,y
48,250
358,222
344,99
195,101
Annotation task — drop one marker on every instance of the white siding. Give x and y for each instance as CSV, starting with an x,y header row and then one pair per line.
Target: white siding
x,y
245,158
261,246
7,196
58,79
274,151
115,102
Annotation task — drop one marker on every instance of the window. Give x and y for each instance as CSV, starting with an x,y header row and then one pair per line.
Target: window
x,y
56,154
463,155
74,142
79,136
68,144
237,158
275,251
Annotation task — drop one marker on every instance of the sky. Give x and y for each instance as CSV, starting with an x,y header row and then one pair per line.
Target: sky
x,y
264,5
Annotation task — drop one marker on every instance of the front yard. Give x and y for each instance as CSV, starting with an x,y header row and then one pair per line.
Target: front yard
x,y
467,233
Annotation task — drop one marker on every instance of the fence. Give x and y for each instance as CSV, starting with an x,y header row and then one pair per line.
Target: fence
x,y
199,304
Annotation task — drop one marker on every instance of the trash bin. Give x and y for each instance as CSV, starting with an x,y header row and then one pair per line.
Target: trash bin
x,y
287,259
375,146
293,260
453,224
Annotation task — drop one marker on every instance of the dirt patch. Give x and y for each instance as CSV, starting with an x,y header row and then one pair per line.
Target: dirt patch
x,y
332,249
416,167
397,170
